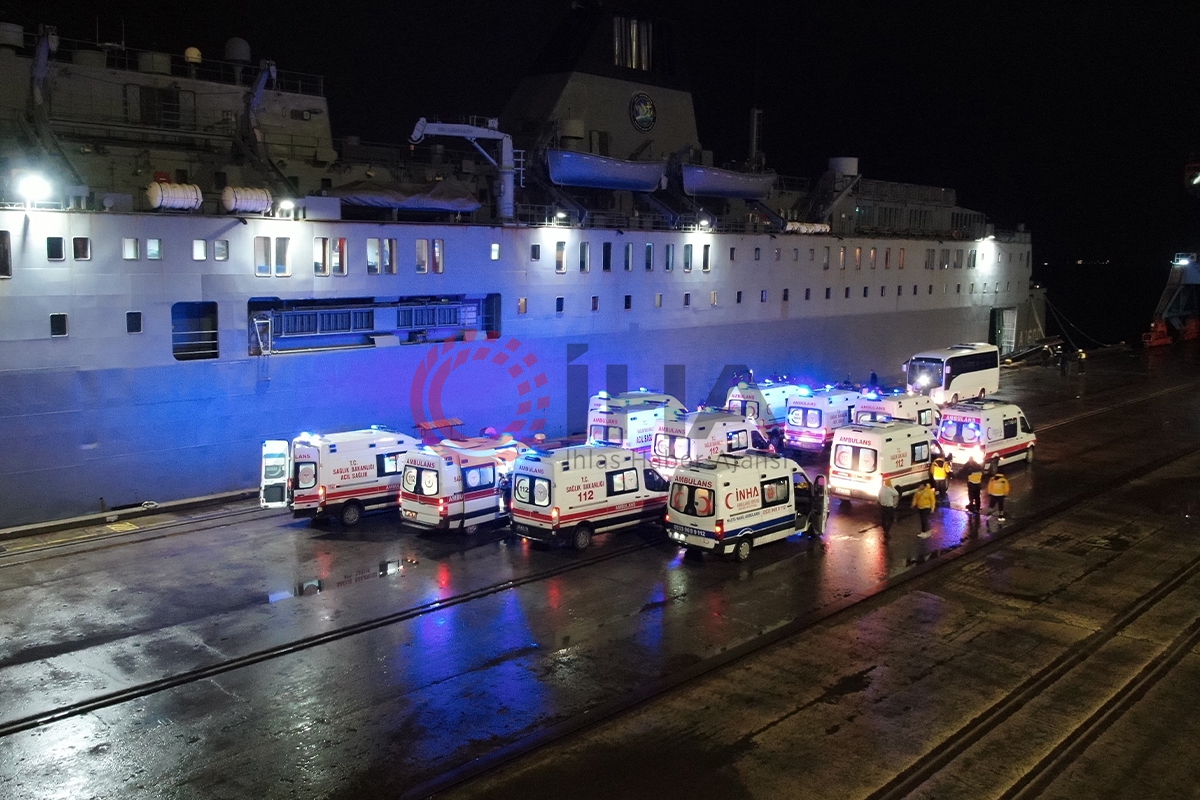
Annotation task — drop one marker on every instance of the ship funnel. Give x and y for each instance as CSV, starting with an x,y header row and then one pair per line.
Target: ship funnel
x,y
12,35
844,165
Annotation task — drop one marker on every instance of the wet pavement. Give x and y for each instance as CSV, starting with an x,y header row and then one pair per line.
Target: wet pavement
x,y
299,661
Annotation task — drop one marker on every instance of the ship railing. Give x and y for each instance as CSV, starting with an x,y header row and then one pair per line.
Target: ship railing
x,y
548,216
906,192
119,57
788,183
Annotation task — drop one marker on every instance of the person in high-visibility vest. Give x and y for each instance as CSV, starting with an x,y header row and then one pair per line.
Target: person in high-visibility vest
x,y
925,501
939,470
998,489
974,487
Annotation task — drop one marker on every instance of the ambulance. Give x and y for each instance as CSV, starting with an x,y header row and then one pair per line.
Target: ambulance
x,y
882,407
735,502
458,484
629,419
813,415
986,432
766,401
573,493
865,455
700,435
337,475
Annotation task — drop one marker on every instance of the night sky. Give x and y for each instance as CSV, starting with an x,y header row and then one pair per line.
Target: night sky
x,y
1076,122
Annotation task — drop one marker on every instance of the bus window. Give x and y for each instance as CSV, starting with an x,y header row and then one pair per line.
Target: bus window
x,y
925,372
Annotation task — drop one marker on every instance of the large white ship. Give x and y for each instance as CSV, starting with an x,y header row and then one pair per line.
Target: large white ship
x,y
190,263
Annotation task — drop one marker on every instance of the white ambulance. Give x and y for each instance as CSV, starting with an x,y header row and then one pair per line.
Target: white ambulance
x,y
986,432
458,484
337,475
813,415
865,455
766,402
737,501
629,419
576,492
883,407
700,435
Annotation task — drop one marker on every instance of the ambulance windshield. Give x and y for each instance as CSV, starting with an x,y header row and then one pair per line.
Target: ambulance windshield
x,y
925,373
694,500
957,430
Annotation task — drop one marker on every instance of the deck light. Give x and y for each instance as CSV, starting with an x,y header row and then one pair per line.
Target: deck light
x,y
560,214
286,205
34,188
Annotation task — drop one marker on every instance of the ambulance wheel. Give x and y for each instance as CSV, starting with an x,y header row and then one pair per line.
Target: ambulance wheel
x,y
741,550
581,537
1029,455
351,513
470,529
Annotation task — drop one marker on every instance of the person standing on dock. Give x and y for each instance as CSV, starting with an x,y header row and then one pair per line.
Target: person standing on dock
x,y
974,487
939,470
998,489
889,499
925,501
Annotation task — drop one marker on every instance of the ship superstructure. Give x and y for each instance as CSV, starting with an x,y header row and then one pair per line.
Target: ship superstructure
x,y
203,266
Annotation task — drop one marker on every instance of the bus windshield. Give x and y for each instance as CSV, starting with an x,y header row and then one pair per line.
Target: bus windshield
x,y
925,373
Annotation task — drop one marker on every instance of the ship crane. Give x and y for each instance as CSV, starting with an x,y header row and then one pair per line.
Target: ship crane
x,y
471,133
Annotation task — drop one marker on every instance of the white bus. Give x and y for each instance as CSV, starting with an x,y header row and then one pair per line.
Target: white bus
x,y
961,372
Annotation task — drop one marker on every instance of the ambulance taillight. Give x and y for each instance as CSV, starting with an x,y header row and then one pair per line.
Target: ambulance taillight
x,y
554,516
321,495
442,506
719,530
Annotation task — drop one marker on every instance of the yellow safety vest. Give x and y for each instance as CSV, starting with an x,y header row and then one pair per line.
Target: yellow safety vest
x,y
998,486
976,477
938,470
925,498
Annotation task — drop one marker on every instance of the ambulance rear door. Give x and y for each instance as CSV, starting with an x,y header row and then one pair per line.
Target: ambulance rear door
x,y
276,467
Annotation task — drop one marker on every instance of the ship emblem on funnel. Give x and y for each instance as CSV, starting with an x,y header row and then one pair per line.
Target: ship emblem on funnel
x,y
642,113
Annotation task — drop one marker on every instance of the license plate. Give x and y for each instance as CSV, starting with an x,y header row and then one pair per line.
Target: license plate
x,y
520,528
410,513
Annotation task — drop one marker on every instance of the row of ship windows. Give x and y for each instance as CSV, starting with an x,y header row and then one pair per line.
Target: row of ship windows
x,y
763,296
331,256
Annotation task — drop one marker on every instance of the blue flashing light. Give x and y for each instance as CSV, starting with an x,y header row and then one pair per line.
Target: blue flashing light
x,y
805,391
872,396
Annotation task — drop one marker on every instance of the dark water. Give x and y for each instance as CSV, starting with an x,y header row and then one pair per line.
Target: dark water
x,y
1105,302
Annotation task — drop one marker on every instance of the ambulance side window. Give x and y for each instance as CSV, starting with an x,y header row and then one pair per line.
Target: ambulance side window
x,y
389,463
1025,426
920,452
480,477
306,475
622,482
736,440
759,442
1010,428
775,492
925,417
655,482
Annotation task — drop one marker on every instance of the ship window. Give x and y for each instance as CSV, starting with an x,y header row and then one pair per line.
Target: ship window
x,y
778,254
522,305
129,248
389,256
795,254
914,290
262,256
339,256
972,255
560,257
958,288
422,256
704,264
606,257
58,324
858,258
808,294
930,258
847,292
687,299
762,296
873,260
972,291
585,256
712,298
629,257
669,258
649,256
154,249
495,251
757,253
55,248
899,291
438,253
738,297
958,259
81,248
194,331
1007,285
535,252
320,255
841,257
220,249
283,264
887,258
558,304
133,322
900,261
6,254
785,295
826,265
595,302
373,256
828,293
658,300
864,291
732,253
687,258
812,254
945,258
199,250
883,291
